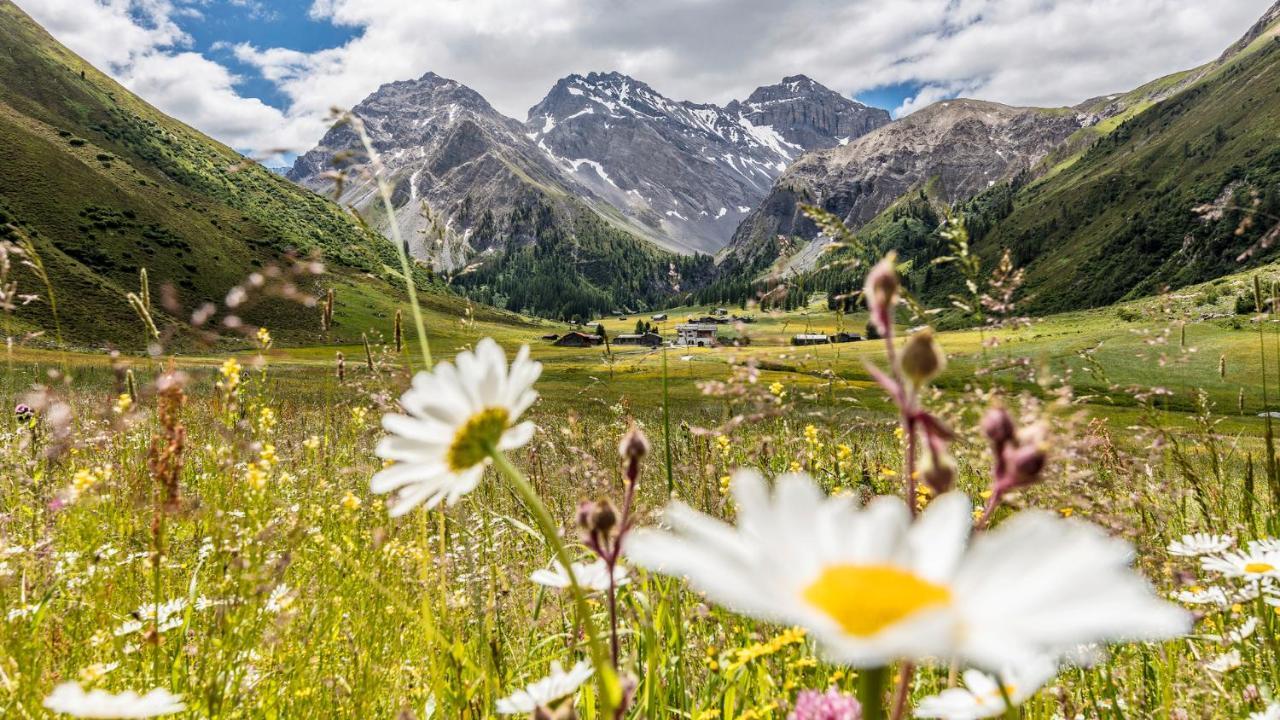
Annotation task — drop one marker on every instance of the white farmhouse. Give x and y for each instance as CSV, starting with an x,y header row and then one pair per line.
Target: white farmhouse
x,y
696,335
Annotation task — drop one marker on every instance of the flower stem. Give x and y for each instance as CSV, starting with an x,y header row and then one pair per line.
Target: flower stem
x,y
666,422
871,685
606,674
903,690
406,267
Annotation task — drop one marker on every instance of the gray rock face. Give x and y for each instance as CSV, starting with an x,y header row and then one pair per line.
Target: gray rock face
x,y
807,114
687,173
958,148
449,155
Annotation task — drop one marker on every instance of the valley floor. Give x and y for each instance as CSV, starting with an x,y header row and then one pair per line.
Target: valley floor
x,y
287,591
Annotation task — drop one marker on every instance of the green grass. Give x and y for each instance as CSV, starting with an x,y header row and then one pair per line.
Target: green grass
x,y
313,601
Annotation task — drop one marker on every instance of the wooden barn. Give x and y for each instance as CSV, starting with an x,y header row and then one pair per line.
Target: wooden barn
x,y
577,339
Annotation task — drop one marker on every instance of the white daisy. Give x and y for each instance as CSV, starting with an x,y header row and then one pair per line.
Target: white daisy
x,y
456,414
1244,631
875,587
1248,565
549,692
163,617
1200,544
981,697
591,576
70,699
1271,713
1226,662
1203,596
1265,545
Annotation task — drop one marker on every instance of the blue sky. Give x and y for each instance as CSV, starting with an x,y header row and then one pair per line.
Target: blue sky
x,y
890,97
280,23
262,75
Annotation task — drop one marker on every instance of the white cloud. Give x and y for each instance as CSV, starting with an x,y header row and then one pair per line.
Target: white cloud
x,y
110,34
201,92
1041,52
141,44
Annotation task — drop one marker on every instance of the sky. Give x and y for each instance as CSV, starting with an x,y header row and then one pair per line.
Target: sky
x,y
263,75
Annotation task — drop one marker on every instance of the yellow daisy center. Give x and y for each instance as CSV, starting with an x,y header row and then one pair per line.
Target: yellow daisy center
x,y
472,441
865,599
1259,568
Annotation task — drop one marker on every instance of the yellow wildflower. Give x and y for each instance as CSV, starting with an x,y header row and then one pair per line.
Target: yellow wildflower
x,y
264,338
351,502
266,420
256,477
123,403
267,456
230,375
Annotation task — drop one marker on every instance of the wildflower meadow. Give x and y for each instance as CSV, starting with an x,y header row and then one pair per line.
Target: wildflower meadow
x,y
254,535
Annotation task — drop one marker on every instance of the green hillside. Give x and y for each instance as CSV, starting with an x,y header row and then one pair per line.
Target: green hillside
x,y
1118,220
105,184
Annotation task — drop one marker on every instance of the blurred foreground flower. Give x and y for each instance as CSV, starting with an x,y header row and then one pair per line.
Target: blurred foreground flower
x,y
456,415
70,699
831,705
982,696
874,587
549,693
591,576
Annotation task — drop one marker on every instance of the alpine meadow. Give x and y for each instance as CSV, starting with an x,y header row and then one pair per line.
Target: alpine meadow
x,y
913,386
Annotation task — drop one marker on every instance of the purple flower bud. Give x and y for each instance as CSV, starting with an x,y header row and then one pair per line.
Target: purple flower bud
x,y
634,444
939,472
597,519
998,426
1027,462
831,705
881,293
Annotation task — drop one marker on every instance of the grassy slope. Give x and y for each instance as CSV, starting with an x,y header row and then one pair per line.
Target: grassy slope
x,y
107,184
1117,222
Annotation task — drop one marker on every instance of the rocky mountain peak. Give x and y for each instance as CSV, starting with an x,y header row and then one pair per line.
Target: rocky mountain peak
x,y
808,114
687,171
960,147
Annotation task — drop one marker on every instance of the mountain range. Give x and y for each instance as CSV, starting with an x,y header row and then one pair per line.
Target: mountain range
x,y
610,196
733,181
677,174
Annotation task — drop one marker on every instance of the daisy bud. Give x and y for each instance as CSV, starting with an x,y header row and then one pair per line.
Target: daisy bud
x,y
634,444
922,358
998,426
596,519
633,448
939,472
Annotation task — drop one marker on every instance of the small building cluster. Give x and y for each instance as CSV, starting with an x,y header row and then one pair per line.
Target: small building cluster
x,y
803,339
